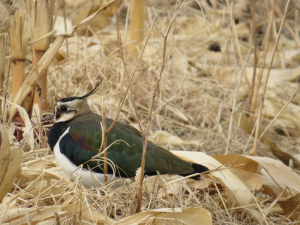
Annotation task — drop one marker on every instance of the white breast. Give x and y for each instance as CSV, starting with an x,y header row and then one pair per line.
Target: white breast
x,y
88,179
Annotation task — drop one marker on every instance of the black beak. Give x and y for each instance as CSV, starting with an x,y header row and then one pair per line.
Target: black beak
x,y
57,115
47,118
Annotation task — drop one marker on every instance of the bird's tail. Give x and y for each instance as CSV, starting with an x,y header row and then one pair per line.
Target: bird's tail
x,y
197,169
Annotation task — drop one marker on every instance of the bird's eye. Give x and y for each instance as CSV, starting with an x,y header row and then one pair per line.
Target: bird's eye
x,y
63,108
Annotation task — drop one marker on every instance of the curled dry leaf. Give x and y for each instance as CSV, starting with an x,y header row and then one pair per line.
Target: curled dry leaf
x,y
269,176
291,207
191,216
28,129
278,172
270,173
13,168
238,193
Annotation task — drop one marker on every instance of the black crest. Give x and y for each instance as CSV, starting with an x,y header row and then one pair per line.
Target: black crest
x,y
68,99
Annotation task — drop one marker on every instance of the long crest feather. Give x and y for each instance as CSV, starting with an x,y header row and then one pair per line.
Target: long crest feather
x,y
93,91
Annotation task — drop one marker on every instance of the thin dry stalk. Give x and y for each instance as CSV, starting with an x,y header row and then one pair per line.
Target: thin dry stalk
x,y
129,86
238,47
3,45
122,102
156,89
288,27
266,80
168,197
263,59
261,210
279,113
104,141
136,29
133,73
254,47
237,87
222,200
205,21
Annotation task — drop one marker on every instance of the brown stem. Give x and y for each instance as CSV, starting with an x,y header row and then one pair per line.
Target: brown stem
x,y
263,59
254,47
133,73
288,27
104,141
266,80
140,189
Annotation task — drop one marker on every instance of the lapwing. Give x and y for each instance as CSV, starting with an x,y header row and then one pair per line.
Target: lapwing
x,y
76,138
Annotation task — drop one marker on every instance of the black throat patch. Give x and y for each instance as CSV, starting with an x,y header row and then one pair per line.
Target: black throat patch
x,y
55,133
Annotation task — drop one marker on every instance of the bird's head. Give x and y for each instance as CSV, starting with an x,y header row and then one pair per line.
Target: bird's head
x,y
68,108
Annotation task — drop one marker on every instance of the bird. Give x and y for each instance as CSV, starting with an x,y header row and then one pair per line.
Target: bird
x,y
76,139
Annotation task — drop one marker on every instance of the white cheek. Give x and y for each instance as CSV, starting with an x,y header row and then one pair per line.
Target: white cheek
x,y
66,116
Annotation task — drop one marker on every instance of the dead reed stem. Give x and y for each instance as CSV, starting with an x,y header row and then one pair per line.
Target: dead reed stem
x,y
31,81
3,45
283,108
254,47
288,27
136,28
18,49
42,16
266,80
237,87
262,59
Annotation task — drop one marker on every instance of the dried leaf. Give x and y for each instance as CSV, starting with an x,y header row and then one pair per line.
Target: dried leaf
x,y
280,173
257,182
4,152
291,207
257,172
28,129
238,192
13,167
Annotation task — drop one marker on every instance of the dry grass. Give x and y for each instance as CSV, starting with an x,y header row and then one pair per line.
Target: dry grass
x,y
194,103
